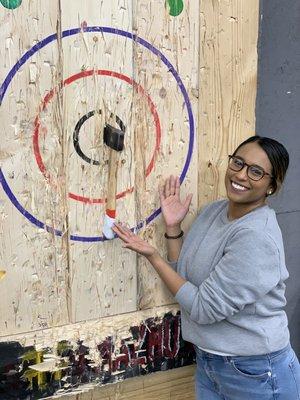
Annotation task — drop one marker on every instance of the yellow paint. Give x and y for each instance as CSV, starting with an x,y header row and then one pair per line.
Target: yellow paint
x,y
33,355
62,346
35,358
2,274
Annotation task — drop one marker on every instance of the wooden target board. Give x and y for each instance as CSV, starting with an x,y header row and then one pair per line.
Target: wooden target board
x,y
67,71
178,79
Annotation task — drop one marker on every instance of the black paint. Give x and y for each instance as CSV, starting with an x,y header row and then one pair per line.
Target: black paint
x,y
78,126
155,345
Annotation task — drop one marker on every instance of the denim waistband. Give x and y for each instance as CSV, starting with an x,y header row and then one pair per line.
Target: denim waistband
x,y
271,355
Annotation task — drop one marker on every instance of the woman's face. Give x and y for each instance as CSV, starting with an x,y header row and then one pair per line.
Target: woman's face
x,y
240,188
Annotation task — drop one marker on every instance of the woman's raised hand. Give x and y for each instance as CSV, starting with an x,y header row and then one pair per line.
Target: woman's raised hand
x,y
173,209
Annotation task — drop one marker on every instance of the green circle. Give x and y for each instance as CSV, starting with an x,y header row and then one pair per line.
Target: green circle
x,y
176,7
11,4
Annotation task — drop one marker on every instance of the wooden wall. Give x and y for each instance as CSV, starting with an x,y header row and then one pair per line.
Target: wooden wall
x,y
183,82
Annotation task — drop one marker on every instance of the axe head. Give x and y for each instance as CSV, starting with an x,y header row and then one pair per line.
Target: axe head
x,y
113,137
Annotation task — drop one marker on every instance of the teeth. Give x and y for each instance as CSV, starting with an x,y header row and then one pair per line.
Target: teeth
x,y
239,187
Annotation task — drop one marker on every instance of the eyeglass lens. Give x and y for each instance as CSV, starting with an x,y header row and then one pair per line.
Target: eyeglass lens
x,y
253,171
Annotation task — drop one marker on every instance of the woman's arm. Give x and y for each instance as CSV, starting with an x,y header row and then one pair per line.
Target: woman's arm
x,y
248,270
133,242
174,245
173,211
172,279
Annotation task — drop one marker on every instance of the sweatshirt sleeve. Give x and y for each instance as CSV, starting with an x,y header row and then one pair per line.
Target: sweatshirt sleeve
x,y
248,270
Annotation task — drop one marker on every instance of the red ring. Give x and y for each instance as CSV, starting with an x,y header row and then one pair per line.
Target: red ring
x,y
71,79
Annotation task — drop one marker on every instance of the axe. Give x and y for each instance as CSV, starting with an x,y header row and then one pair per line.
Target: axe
x,y
114,139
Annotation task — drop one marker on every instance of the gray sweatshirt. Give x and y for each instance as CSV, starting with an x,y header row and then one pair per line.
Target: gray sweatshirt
x,y
233,300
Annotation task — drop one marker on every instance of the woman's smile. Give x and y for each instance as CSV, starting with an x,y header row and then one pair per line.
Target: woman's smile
x,y
238,187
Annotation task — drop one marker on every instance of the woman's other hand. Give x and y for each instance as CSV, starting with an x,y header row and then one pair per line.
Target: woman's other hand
x,y
133,242
164,270
173,209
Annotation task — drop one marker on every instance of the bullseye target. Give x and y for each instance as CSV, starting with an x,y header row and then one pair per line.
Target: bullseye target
x,y
79,124
86,151
83,119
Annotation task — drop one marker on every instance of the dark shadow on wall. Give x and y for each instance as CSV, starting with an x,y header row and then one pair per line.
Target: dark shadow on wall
x,y
278,116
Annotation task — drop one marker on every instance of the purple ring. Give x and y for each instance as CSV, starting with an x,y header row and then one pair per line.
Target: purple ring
x,y
113,31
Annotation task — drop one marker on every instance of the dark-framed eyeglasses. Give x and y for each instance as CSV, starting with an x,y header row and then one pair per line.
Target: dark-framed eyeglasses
x,y
254,172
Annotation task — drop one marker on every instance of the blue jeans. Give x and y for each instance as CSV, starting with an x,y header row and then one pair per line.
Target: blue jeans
x,y
273,376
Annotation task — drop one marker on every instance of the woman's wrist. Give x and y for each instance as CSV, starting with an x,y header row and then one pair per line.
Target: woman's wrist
x,y
154,257
179,236
173,230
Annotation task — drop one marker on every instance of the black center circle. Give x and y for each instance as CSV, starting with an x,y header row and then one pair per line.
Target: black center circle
x,y
78,126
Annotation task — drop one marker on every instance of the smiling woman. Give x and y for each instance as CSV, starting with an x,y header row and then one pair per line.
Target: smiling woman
x,y
228,277
266,162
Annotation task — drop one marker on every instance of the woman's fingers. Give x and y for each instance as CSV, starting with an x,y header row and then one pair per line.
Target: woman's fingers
x,y
167,187
177,187
132,241
172,185
132,246
122,231
188,200
118,228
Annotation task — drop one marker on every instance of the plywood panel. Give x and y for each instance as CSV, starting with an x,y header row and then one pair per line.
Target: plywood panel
x,y
60,83
175,384
169,73
74,85
227,76
99,63
35,288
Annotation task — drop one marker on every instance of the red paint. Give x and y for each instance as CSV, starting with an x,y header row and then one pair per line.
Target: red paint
x,y
122,361
111,213
155,341
155,345
106,350
171,335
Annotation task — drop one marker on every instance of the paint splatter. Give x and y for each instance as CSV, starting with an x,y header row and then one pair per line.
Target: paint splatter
x,y
83,25
2,274
175,7
154,345
11,4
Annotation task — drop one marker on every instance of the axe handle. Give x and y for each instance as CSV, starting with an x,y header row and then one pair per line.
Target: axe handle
x,y
110,213
112,180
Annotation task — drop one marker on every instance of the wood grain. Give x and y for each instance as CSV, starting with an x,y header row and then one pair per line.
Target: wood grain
x,y
227,80
175,384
